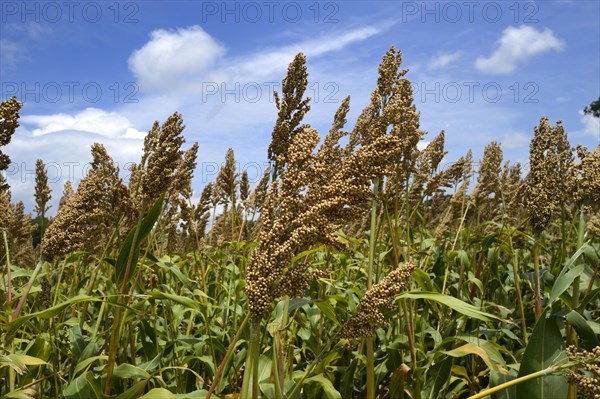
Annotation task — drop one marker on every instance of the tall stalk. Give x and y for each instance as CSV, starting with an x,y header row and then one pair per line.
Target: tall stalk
x,y
372,243
116,327
227,356
8,276
250,382
519,295
571,333
536,278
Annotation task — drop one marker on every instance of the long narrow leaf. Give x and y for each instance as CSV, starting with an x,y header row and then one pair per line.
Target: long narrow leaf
x,y
545,348
453,303
129,246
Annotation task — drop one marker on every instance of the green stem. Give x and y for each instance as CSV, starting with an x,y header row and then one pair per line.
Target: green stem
x,y
519,295
8,276
112,355
227,356
372,234
370,368
250,382
26,291
516,381
408,320
580,240
43,216
571,334
372,243
277,348
114,339
312,365
536,272
233,215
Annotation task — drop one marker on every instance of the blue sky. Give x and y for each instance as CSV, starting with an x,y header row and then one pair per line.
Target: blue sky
x,y
104,71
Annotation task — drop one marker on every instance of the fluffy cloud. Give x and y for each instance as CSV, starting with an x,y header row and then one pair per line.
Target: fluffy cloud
x,y
441,60
188,60
591,125
66,154
63,141
90,120
515,141
172,56
516,46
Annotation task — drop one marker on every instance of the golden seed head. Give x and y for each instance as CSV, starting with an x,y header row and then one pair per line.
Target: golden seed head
x,y
88,218
376,299
42,191
9,122
551,177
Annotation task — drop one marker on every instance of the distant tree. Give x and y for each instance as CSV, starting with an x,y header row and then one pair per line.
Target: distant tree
x,y
593,109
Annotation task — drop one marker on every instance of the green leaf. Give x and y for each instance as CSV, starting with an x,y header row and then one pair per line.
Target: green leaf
x,y
347,380
453,303
25,393
327,310
422,279
166,263
437,377
585,332
328,390
296,303
158,393
183,300
26,360
161,393
545,348
492,349
81,388
208,360
14,325
564,281
85,363
19,362
471,349
126,370
134,392
130,247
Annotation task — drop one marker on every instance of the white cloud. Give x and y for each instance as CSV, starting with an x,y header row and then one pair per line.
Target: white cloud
x,y
515,141
23,35
237,84
441,60
272,62
11,53
172,56
31,29
63,141
189,61
91,120
421,145
591,125
66,154
516,46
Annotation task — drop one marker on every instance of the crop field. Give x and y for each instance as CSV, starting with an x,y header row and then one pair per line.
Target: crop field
x,y
361,265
